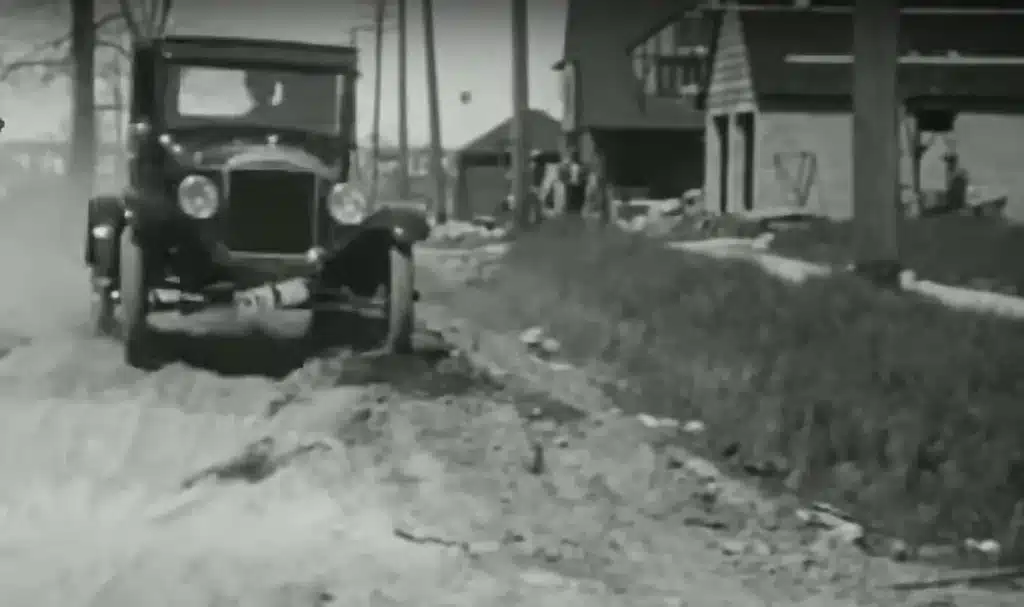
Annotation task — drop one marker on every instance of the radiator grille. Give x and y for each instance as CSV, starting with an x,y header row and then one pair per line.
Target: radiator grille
x,y
270,211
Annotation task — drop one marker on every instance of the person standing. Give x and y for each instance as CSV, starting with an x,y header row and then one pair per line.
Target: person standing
x,y
537,194
574,179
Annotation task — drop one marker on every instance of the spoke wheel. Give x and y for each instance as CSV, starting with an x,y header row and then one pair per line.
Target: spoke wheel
x,y
134,308
103,321
401,299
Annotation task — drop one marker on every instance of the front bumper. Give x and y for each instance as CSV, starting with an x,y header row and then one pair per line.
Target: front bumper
x,y
301,293
262,283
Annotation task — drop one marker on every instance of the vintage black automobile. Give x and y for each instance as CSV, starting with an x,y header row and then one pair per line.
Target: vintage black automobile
x,y
239,195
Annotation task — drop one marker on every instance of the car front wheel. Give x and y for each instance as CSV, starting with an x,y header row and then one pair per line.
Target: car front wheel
x,y
401,298
104,322
393,333
134,309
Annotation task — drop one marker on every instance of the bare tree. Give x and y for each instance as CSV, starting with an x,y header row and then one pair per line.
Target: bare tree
x,y
71,54
146,19
52,57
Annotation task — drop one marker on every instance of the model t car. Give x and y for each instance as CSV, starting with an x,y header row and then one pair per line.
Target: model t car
x,y
239,195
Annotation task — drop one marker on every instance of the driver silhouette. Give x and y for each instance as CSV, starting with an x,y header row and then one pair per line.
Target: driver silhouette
x,y
261,88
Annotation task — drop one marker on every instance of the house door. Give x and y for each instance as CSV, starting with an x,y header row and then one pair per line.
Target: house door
x,y
745,126
722,135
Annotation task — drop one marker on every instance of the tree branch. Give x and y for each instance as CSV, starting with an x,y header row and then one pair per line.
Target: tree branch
x,y
152,14
29,58
128,14
16,66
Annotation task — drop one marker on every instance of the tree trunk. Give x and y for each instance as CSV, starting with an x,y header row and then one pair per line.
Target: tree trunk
x,y
82,152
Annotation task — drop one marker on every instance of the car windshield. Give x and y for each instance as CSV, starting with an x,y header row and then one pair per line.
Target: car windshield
x,y
273,98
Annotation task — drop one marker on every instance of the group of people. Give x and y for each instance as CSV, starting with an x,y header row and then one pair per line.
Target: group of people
x,y
561,188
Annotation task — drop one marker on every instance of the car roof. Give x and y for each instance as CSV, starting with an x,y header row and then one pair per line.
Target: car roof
x,y
219,49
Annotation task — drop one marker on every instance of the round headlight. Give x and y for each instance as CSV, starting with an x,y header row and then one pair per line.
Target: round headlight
x,y
198,196
347,204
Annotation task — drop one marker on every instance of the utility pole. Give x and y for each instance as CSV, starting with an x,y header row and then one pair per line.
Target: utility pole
x,y
378,69
404,190
520,108
82,150
433,101
876,157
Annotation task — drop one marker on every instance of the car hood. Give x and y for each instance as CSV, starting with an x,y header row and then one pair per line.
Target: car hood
x,y
254,156
215,149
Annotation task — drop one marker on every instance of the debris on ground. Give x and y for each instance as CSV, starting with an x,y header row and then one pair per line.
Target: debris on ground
x,y
539,344
465,234
785,551
257,462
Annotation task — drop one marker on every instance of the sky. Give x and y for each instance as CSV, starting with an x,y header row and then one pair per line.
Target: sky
x,y
473,44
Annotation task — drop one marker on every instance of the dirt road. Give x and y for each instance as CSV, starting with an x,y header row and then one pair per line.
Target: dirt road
x,y
334,480
366,496
94,455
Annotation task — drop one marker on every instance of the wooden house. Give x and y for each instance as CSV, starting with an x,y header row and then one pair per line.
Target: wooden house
x,y
778,123
630,78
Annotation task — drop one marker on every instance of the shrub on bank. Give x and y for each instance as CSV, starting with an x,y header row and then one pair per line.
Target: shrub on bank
x,y
903,410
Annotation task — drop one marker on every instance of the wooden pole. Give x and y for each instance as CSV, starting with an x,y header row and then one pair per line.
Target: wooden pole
x,y
378,82
433,101
82,149
404,191
520,107
876,156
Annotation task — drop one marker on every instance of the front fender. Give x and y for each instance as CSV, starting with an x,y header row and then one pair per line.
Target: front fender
x,y
149,213
105,218
406,225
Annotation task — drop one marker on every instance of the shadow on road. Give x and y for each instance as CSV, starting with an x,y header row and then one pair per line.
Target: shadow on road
x,y
255,353
266,353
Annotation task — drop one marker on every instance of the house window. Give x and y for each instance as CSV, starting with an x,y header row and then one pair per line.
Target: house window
x,y
671,62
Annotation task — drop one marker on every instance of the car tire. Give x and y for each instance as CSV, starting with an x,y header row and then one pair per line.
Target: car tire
x,y
401,300
134,309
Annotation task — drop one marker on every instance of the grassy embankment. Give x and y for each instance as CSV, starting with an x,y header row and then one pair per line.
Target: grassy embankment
x,y
902,410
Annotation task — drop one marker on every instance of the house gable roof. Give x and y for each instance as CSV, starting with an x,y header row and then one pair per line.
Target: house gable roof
x,y
545,134
800,53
